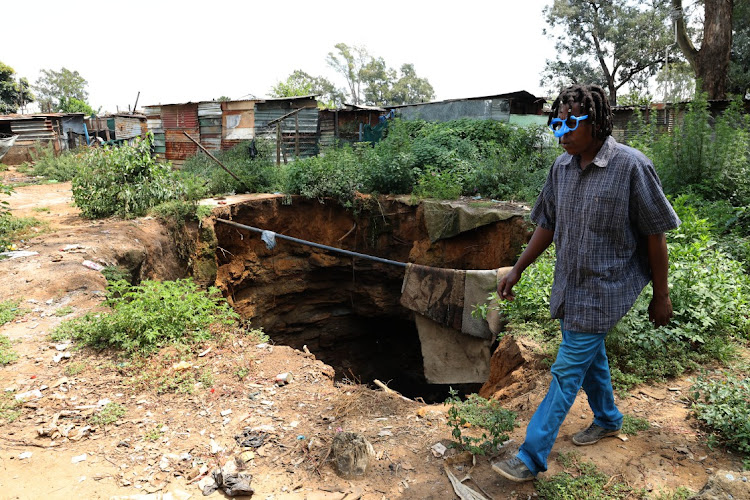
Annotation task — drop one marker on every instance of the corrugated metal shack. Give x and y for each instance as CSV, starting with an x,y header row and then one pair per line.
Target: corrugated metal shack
x,y
346,123
498,107
62,130
292,122
223,125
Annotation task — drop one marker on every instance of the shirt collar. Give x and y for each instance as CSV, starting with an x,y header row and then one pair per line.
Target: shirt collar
x,y
602,158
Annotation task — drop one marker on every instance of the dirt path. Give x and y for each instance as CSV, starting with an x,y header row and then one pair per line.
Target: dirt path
x,y
51,450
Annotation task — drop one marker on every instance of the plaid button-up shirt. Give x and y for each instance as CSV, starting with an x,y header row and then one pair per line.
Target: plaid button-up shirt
x,y
601,217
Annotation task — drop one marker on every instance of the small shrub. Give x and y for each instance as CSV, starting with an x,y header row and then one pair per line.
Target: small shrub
x,y
63,311
124,181
486,414
150,315
109,414
116,273
257,172
60,167
722,402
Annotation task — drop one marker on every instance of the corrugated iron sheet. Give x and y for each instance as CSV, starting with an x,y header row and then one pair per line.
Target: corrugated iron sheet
x,y
308,120
179,116
127,127
33,130
209,109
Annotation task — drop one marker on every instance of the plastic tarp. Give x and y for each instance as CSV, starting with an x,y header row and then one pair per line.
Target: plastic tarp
x,y
6,143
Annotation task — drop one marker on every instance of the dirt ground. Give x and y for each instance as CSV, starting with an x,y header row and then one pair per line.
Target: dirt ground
x,y
164,443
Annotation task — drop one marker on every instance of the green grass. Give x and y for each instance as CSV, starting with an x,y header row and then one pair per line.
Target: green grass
x,y
63,311
9,407
7,354
9,310
632,425
109,414
583,481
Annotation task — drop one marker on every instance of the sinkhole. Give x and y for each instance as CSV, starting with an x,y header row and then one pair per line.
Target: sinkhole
x,y
346,310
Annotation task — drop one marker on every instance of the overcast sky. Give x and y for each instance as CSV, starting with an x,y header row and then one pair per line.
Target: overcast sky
x,y
175,52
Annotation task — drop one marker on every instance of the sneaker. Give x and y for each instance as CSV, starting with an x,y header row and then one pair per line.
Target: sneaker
x,y
593,434
513,469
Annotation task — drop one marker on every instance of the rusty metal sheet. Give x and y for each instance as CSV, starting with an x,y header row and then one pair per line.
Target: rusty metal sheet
x,y
179,116
127,127
238,105
180,150
177,135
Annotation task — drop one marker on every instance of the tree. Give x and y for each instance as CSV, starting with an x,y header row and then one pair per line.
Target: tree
x,y
617,42
739,62
410,88
13,94
711,62
300,83
350,63
54,86
73,105
223,99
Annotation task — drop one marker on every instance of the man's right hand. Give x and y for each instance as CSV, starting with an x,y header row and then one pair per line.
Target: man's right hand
x,y
505,287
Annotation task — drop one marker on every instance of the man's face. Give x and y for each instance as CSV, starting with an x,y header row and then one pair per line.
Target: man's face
x,y
580,140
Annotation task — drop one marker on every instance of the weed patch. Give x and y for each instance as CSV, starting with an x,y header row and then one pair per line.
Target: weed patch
x,y
150,315
582,480
109,414
9,407
7,354
9,310
633,425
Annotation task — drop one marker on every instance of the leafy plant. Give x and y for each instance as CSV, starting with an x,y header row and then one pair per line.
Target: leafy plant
x,y
722,402
486,414
149,315
109,414
124,181
64,311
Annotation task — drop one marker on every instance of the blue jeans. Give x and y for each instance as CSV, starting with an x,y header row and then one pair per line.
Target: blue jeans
x,y
581,362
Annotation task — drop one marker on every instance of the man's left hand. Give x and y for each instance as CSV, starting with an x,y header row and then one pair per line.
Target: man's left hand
x,y
660,310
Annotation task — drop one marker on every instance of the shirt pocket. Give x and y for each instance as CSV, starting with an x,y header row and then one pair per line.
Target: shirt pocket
x,y
607,216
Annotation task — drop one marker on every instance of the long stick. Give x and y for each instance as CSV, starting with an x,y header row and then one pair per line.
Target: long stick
x,y
215,159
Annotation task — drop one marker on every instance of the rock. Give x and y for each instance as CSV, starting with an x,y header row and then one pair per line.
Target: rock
x,y
725,485
352,453
509,368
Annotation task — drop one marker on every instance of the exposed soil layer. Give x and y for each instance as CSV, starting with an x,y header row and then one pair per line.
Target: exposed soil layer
x,y
347,309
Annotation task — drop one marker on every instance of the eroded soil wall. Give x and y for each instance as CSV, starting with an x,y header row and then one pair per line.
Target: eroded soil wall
x,y
344,310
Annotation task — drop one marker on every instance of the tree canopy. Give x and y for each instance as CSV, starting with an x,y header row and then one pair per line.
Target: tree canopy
x,y
371,82
613,43
14,94
55,88
301,83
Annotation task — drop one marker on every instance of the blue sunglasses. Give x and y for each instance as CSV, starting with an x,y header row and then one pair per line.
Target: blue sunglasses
x,y
561,127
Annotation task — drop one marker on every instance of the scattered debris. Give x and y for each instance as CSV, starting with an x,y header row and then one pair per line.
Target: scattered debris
x,y
438,449
284,378
352,453
92,265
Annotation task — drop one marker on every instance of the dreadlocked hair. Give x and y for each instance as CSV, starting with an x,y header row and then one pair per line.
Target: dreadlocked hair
x,y
593,102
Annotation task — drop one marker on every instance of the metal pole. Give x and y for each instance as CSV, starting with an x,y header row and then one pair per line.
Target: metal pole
x,y
316,245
